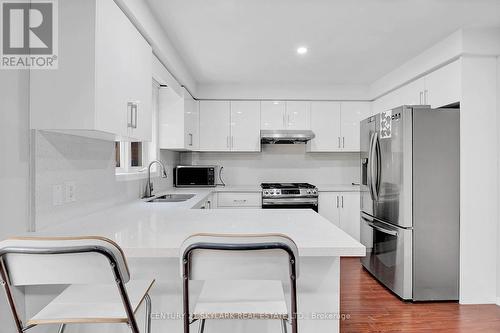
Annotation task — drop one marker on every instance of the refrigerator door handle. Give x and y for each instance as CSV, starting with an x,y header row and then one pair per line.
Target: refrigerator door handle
x,y
379,228
378,162
371,161
369,168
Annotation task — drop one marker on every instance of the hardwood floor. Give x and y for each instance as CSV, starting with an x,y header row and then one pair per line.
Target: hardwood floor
x,y
372,308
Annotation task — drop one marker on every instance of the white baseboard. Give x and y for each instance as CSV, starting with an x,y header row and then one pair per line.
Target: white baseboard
x,y
498,301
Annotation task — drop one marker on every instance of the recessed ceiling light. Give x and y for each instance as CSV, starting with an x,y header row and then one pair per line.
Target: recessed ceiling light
x,y
302,50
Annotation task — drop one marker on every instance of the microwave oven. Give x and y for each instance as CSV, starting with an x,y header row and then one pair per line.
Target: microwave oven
x,y
194,176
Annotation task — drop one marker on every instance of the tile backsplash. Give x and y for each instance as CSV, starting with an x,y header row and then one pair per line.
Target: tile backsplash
x,y
89,164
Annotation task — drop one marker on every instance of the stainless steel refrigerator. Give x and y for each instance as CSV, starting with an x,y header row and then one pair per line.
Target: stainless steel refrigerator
x,y
410,201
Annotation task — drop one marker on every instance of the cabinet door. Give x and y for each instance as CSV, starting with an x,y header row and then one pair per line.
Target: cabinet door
x,y
443,86
298,115
325,123
272,115
214,125
411,93
142,89
328,206
245,126
191,119
351,115
349,213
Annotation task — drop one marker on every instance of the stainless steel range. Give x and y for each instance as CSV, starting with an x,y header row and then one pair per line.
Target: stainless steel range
x,y
289,196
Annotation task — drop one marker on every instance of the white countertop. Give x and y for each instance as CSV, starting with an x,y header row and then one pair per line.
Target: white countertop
x,y
145,229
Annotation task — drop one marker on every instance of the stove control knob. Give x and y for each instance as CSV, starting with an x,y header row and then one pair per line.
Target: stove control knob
x,y
315,191
308,191
266,192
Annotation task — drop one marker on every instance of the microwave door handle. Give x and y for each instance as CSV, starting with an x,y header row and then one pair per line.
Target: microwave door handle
x,y
379,228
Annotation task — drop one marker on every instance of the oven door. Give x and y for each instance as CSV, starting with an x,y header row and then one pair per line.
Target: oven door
x,y
388,254
290,203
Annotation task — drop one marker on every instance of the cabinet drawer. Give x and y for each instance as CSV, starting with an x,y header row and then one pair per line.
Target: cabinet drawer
x,y
238,199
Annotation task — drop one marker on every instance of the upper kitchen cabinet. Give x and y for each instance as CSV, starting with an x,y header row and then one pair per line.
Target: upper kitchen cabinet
x,y
103,84
336,125
245,126
279,115
298,115
325,123
215,131
230,126
443,86
273,115
178,120
350,116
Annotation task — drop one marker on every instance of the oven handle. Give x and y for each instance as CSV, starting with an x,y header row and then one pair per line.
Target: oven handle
x,y
290,202
379,228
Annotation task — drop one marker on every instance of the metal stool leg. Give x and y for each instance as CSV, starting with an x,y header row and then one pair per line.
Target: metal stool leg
x,y
201,327
62,328
147,299
283,326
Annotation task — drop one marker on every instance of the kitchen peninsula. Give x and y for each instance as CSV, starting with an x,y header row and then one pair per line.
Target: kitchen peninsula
x,y
151,235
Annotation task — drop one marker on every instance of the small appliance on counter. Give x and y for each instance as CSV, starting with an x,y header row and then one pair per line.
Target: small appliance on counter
x,y
289,196
195,176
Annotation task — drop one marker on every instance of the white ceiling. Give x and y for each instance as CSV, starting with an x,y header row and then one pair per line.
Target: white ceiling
x,y
349,41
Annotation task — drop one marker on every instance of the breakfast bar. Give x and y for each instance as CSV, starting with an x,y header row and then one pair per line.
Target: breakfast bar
x,y
151,235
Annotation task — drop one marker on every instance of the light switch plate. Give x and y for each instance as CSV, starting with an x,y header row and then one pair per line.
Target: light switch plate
x,y
57,195
69,191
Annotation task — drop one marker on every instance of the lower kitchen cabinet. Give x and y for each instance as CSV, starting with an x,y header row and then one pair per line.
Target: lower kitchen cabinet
x,y
239,200
342,209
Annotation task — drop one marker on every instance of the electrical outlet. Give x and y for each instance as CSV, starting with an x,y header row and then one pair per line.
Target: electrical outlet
x,y
57,195
69,191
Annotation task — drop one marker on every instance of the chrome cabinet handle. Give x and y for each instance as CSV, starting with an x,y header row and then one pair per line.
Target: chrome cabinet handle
x,y
191,139
337,201
379,228
425,97
232,142
421,98
343,142
135,108
284,122
338,142
130,114
288,121
342,202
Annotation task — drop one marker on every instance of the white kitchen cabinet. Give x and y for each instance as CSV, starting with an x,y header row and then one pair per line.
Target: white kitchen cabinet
x,y
178,120
103,84
298,115
279,115
273,115
245,126
215,130
239,200
444,85
325,123
350,116
410,94
336,125
342,209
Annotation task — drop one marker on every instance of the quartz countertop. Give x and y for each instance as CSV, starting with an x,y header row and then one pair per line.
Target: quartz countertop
x,y
145,229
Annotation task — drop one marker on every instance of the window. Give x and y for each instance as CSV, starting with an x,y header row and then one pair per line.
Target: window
x,y
133,157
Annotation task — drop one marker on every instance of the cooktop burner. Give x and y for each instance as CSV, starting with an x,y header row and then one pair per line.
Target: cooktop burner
x,y
286,185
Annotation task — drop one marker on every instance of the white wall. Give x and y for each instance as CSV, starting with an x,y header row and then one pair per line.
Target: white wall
x,y
90,164
14,169
283,91
478,180
498,142
281,163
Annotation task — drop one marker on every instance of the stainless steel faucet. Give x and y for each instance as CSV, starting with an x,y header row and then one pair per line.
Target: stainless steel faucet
x,y
148,192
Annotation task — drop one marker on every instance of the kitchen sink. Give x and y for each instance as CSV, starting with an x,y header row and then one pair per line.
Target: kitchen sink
x,y
172,198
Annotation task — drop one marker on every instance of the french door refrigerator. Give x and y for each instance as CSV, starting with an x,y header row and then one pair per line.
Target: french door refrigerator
x,y
410,201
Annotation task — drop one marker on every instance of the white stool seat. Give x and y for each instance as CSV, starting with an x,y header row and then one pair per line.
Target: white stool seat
x,y
97,303
241,299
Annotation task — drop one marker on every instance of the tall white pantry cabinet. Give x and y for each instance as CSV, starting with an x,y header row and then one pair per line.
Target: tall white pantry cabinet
x,y
103,84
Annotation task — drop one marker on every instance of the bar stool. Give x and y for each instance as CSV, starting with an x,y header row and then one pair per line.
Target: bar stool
x,y
99,291
243,277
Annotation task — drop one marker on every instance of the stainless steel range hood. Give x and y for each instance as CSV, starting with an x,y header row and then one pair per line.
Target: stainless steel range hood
x,y
285,136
